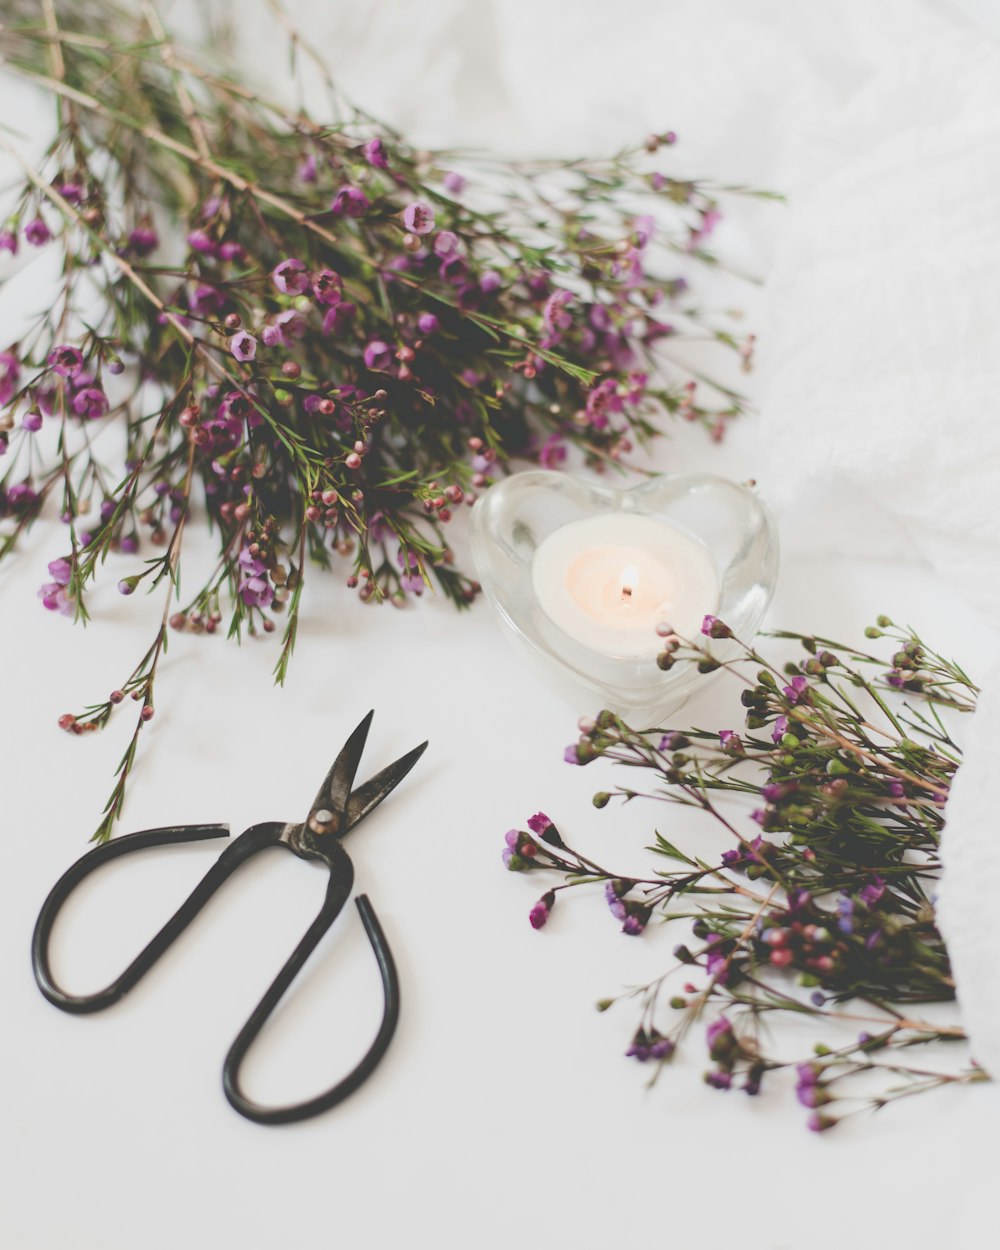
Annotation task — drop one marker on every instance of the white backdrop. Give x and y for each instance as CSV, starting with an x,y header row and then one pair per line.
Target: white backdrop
x,y
504,1110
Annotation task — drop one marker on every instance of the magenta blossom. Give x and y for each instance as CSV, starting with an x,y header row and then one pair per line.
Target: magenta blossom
x,y
243,346
339,317
307,169
10,372
350,202
256,592
427,323
539,914
290,277
418,217
454,183
378,355
539,823
55,598
553,452
554,313
8,242
445,243
327,286
143,240
91,403
37,232
66,361
201,241
375,154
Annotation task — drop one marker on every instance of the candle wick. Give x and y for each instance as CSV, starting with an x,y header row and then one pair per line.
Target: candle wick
x,y
629,579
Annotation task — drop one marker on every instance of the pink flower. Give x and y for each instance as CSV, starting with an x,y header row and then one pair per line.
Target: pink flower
x,y
10,371
243,346
378,355
375,154
418,217
37,232
91,403
290,277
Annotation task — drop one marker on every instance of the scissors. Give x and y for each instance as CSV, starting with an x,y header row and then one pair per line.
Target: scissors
x,y
336,810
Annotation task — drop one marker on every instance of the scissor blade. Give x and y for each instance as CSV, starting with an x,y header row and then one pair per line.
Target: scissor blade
x,y
367,797
335,792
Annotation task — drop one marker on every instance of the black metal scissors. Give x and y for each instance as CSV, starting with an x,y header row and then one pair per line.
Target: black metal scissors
x,y
337,809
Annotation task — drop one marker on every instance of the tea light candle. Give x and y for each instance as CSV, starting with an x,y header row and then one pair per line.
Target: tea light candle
x,y
609,580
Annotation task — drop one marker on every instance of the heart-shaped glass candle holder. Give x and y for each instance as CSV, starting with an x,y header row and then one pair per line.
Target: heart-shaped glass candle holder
x,y
587,578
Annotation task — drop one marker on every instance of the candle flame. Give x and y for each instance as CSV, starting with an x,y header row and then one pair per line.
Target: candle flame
x,y
629,581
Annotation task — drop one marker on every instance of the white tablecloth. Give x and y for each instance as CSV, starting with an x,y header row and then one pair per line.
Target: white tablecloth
x,y
505,1110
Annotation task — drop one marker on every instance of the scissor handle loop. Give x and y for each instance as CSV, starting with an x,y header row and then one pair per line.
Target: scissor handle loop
x,y
336,895
242,848
235,853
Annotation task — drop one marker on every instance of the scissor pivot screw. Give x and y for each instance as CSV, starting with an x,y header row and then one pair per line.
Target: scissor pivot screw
x,y
321,821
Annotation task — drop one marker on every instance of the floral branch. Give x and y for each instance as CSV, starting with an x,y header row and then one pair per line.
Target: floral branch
x,y
825,909
329,341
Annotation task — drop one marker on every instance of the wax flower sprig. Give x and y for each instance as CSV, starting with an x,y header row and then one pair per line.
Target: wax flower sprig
x,y
834,793
313,336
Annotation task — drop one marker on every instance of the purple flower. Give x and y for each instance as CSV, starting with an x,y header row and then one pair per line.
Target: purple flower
x,y
720,1037
256,592
794,691
378,355
539,823
553,452
232,251
490,281
327,287
286,328
206,300
54,597
251,565
719,1080
243,346
554,313
8,242
290,277
339,317
779,729
633,924
539,914
37,232
897,789
61,571
571,755
845,914
819,1123
350,202
32,421
427,323
66,361
307,169
644,228
712,627
445,243
201,241
91,403
617,907
142,240
454,183
872,893
375,154
418,217
10,371
512,837
71,192
731,743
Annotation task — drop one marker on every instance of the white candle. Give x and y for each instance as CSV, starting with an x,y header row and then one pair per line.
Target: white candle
x,y
608,581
